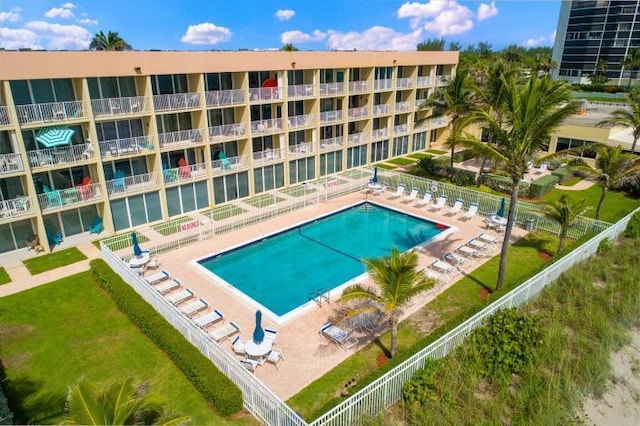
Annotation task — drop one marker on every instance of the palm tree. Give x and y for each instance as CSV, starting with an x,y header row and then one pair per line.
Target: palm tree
x,y
624,117
120,404
454,101
631,61
397,280
565,212
532,111
109,41
288,47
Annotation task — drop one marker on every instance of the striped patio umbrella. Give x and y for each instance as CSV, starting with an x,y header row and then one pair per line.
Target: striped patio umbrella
x,y
52,137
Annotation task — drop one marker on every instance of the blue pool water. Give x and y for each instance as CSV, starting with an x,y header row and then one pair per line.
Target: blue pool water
x,y
282,271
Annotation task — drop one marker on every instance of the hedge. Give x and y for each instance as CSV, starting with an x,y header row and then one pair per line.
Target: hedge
x,y
441,167
6,416
214,386
543,185
563,173
503,184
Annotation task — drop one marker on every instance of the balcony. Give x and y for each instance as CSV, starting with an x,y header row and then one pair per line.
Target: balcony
x,y
330,116
114,107
185,173
262,94
230,164
424,81
331,89
402,107
56,199
5,119
404,83
298,121
419,103
331,144
302,149
176,101
358,113
358,86
131,184
357,138
400,129
301,91
442,80
268,156
266,127
379,110
180,138
10,163
420,126
126,146
61,155
436,123
50,112
219,98
386,84
380,134
15,207
227,131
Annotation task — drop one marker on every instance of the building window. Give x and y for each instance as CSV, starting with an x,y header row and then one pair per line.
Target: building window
x,y
268,178
111,87
169,84
400,146
186,198
302,170
133,211
419,141
356,156
566,143
379,151
230,187
330,163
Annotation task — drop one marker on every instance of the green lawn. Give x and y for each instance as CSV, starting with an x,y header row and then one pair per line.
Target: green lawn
x,y
51,335
4,276
436,151
572,181
402,161
419,155
47,262
616,205
386,166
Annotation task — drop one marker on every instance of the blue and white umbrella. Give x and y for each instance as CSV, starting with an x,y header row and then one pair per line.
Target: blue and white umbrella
x,y
258,333
52,137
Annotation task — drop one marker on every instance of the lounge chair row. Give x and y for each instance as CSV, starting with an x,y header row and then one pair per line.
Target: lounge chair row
x,y
440,203
455,260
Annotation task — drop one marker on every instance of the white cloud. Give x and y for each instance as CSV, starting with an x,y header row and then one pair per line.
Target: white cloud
x,y
486,11
206,33
285,14
18,38
61,37
300,37
63,12
437,16
374,38
534,42
88,21
9,16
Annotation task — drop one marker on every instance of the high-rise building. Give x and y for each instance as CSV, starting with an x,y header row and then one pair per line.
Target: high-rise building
x,y
593,30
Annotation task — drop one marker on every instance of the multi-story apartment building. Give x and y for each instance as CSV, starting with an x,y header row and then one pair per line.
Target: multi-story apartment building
x,y
140,137
592,30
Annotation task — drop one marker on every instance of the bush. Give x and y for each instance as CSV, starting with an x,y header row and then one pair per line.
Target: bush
x,y
563,173
463,155
438,168
214,385
463,177
421,388
633,227
503,184
604,246
543,185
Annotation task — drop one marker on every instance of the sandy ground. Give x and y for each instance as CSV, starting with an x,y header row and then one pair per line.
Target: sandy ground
x,y
620,404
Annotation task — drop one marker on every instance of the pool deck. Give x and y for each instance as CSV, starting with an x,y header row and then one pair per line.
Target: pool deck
x,y
307,355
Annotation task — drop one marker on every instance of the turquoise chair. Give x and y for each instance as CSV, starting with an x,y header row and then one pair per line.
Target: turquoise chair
x,y
96,225
54,239
53,197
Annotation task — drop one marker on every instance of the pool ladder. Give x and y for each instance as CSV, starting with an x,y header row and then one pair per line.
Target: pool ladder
x,y
319,296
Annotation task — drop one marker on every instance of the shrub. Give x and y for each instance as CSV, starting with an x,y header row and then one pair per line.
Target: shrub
x,y
422,386
563,173
633,227
463,177
503,184
604,246
543,185
463,155
214,385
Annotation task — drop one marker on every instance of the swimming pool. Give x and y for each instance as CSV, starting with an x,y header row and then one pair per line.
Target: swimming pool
x,y
286,270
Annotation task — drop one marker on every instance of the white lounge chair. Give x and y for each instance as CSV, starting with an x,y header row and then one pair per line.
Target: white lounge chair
x,y
412,196
166,286
157,277
250,364
437,276
276,356
467,252
457,206
194,307
488,238
238,346
180,296
270,335
342,338
224,332
399,192
424,200
471,212
380,189
442,200
477,244
440,266
543,168
209,319
454,259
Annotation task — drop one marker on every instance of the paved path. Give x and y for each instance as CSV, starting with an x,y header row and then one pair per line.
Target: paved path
x,y
21,278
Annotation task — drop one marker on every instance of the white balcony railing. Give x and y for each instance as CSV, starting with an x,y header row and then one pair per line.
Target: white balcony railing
x,y
230,164
301,150
135,183
184,173
126,146
330,116
119,106
403,107
227,131
442,80
386,84
11,163
298,121
5,119
216,98
331,144
181,137
421,126
55,199
419,102
273,125
268,155
381,110
301,91
176,101
329,89
380,133
436,123
14,207
61,155
358,86
50,112
424,81
358,138
265,93
403,83
400,129
358,113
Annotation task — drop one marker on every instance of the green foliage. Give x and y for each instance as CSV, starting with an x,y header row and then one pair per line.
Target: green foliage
x,y
6,416
214,385
599,88
503,184
563,173
439,168
543,185
431,44
605,246
463,155
58,259
633,227
506,343
419,390
4,276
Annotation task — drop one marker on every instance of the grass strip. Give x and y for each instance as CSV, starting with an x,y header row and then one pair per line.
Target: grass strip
x,y
4,276
402,161
58,259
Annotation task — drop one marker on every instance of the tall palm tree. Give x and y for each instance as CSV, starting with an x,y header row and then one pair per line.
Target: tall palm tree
x,y
565,212
624,117
109,41
454,101
532,111
398,281
120,404
631,62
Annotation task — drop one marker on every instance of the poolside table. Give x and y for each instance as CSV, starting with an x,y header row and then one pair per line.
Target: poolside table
x,y
256,350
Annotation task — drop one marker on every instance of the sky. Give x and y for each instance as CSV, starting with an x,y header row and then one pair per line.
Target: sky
x,y
268,24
